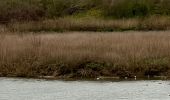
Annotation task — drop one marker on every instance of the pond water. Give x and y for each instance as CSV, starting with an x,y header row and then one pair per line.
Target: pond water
x,y
36,89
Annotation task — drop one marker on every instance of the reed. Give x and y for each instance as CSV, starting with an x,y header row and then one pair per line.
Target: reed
x,y
85,54
91,24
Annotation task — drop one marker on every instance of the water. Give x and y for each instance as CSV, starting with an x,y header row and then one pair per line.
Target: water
x,y
33,89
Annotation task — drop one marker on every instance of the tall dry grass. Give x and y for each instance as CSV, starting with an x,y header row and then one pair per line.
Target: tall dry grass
x,y
73,24
85,54
91,24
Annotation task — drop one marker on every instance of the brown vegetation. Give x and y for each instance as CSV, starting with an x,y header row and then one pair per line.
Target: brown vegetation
x,y
90,24
87,54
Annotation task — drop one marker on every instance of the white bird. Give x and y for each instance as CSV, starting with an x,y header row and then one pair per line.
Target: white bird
x,y
126,78
135,77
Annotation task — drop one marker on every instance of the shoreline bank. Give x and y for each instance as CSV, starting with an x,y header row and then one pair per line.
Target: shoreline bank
x,y
84,55
101,78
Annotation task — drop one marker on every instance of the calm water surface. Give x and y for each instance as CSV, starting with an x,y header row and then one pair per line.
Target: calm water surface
x,y
33,89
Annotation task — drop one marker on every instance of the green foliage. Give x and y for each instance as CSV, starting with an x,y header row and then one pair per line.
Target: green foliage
x,y
126,8
92,13
162,8
156,66
26,10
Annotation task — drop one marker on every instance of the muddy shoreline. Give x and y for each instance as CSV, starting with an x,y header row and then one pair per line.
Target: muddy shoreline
x,y
100,78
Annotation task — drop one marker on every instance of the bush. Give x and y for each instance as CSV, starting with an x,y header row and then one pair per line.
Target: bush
x,y
163,7
20,10
126,8
26,10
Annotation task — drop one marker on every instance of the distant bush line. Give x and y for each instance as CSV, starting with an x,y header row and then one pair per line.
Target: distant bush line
x,y
32,10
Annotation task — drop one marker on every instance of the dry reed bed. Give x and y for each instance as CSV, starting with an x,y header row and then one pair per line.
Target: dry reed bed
x,y
85,54
90,24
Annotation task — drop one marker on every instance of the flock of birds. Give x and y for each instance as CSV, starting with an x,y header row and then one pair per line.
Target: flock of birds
x,y
98,78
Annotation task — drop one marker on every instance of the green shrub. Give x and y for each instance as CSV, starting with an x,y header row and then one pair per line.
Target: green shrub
x,y
158,7
127,8
20,10
156,66
26,10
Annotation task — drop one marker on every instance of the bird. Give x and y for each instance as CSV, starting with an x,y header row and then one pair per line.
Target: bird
x,y
126,78
135,77
98,78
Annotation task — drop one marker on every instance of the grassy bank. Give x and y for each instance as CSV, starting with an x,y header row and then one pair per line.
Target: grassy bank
x,y
83,15
85,55
89,24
